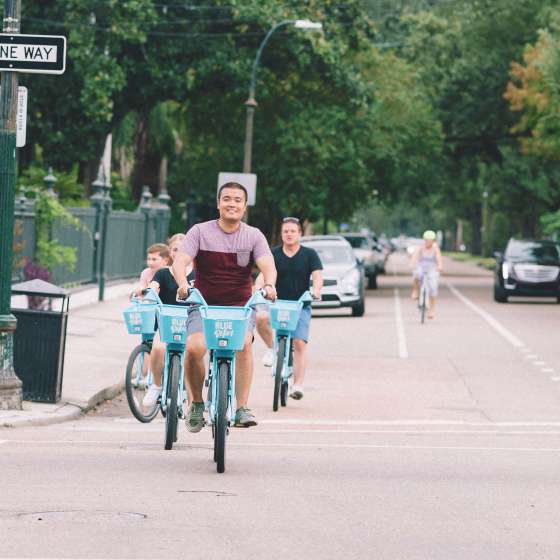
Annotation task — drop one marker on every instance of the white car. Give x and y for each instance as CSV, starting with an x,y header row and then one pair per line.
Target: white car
x,y
343,276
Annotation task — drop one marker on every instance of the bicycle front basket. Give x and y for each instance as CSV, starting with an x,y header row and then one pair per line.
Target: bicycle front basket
x,y
172,322
225,327
140,318
284,315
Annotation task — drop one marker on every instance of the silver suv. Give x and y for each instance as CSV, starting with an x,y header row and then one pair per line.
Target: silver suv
x,y
343,275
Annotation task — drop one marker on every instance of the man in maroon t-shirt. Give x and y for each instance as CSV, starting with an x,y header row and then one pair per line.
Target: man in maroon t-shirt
x,y
224,252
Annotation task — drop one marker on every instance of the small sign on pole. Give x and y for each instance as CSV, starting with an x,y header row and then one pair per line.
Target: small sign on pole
x,y
247,180
21,123
39,54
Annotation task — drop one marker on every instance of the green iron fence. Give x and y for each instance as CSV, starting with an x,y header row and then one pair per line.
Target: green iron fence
x,y
110,244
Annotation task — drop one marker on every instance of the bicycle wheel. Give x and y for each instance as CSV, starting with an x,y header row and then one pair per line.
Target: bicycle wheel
x,y
136,384
279,366
423,305
220,428
172,393
285,382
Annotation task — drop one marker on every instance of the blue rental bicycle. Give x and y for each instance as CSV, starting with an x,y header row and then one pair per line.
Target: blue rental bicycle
x,y
225,329
172,322
284,317
140,320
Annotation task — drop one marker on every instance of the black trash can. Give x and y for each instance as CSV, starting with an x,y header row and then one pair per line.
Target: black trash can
x,y
40,339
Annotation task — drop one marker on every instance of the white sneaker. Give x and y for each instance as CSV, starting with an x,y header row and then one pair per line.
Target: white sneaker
x,y
151,397
268,358
297,392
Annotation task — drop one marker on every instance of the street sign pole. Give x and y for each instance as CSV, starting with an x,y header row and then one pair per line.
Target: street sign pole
x,y
10,385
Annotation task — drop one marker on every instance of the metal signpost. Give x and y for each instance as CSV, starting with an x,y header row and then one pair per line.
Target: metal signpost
x,y
18,53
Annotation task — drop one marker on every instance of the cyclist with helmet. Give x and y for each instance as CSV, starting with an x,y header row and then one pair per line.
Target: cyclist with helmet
x,y
427,261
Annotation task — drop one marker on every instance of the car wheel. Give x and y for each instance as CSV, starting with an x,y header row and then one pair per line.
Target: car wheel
x,y
500,295
359,309
372,282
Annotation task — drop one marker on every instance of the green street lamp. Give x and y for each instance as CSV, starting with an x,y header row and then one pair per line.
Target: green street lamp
x,y
251,103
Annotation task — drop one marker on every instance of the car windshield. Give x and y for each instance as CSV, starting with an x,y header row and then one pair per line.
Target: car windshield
x,y
334,254
357,242
533,251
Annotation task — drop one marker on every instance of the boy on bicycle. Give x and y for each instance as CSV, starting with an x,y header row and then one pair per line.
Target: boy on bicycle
x,y
224,251
158,256
295,265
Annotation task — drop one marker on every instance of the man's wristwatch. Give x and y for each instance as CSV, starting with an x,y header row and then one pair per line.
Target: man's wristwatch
x,y
269,285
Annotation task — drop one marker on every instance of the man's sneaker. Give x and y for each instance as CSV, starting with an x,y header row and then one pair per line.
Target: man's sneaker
x,y
297,392
244,418
151,397
268,358
195,417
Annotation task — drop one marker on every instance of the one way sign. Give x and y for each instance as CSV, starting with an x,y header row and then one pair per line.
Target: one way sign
x,y
42,54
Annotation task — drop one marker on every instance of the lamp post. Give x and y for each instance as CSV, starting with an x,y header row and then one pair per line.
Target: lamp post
x,y
10,385
251,102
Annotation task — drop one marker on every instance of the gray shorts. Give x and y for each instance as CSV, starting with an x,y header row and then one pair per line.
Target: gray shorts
x,y
194,322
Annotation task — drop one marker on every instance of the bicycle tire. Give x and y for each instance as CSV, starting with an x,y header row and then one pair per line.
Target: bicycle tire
x,y
133,396
172,394
221,417
423,306
279,366
284,394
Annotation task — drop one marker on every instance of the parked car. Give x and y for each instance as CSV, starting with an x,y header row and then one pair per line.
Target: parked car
x,y
528,268
343,275
367,253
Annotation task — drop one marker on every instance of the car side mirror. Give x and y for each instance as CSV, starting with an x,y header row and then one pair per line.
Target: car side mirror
x,y
498,255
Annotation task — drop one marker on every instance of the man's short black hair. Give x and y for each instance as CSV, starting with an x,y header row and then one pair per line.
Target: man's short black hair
x,y
233,185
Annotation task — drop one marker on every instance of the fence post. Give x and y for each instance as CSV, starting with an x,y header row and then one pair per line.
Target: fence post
x,y
97,202
107,206
164,214
146,208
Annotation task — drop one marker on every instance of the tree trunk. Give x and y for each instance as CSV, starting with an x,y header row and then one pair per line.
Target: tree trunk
x,y
476,234
146,165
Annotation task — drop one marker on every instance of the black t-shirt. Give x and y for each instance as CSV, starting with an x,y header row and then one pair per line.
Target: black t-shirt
x,y
167,287
294,272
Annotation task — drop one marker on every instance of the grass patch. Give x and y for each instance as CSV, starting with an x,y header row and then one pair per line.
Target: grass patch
x,y
488,263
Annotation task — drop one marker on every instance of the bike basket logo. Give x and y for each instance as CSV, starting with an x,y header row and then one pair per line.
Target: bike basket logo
x,y
223,329
178,326
283,316
135,318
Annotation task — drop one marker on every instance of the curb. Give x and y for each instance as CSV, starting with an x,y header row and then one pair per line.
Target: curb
x,y
67,411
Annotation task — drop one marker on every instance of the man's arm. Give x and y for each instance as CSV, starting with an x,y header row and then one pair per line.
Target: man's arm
x,y
268,270
317,277
179,270
259,281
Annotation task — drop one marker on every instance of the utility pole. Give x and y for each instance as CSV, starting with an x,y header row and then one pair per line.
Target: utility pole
x,y
10,385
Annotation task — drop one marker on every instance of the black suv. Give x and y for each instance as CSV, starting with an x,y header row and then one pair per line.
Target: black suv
x,y
528,268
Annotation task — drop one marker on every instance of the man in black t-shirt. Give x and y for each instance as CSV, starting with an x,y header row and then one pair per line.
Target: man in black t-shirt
x,y
295,265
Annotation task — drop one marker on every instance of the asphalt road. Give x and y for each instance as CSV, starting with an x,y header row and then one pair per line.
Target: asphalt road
x,y
435,441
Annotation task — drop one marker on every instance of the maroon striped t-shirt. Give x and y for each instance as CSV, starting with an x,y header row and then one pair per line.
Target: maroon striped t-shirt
x,y
223,261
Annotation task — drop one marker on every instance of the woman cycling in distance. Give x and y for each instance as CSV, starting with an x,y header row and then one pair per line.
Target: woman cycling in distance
x,y
165,286
427,261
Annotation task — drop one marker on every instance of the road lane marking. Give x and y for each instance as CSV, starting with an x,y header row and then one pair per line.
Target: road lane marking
x,y
555,378
403,350
494,323
403,422
531,356
539,363
129,446
547,370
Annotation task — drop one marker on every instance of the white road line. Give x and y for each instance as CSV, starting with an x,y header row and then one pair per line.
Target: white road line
x,y
530,356
547,370
494,323
128,446
403,422
555,378
400,447
539,363
403,350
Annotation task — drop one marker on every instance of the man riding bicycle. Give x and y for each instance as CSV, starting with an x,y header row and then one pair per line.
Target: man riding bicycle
x,y
427,262
295,264
224,251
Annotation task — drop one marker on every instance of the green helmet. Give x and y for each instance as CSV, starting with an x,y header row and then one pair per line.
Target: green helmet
x,y
429,234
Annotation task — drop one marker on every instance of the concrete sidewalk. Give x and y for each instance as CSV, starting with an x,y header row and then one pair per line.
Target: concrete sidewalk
x,y
97,348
